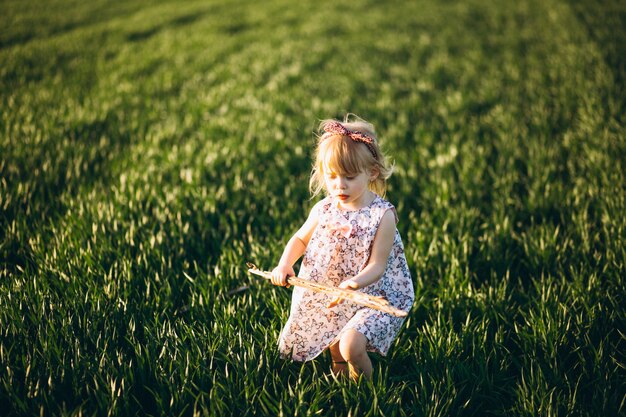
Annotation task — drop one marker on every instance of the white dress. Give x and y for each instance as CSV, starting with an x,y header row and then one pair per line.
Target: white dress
x,y
339,249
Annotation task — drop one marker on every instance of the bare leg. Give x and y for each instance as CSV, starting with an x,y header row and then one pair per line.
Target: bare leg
x,y
352,347
340,365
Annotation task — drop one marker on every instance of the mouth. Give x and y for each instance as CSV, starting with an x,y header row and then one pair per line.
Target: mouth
x,y
343,196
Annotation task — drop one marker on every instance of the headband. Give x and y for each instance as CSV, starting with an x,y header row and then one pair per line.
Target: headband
x,y
335,128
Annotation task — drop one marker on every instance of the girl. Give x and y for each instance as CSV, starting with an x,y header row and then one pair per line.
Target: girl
x,y
349,240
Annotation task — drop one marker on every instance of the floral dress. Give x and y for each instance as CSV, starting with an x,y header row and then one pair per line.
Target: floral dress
x,y
338,250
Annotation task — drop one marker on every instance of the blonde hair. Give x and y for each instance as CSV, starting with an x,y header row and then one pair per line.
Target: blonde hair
x,y
347,156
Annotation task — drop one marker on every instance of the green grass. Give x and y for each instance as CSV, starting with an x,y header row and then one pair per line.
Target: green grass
x,y
149,149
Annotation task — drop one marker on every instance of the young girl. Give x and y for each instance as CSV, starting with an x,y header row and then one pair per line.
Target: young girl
x,y
349,240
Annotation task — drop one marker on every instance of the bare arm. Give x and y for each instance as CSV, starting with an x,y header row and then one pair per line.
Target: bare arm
x,y
295,249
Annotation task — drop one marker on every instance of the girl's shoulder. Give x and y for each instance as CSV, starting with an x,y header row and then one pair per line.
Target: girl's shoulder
x,y
380,206
380,203
324,204
322,207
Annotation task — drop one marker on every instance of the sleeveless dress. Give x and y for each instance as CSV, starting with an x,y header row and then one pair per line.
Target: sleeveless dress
x,y
339,249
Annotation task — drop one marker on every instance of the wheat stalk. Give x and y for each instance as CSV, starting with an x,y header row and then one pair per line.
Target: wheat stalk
x,y
377,303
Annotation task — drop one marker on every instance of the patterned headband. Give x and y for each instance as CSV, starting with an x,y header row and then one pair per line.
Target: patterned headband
x,y
335,128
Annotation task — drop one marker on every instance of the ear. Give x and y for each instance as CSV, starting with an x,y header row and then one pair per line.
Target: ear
x,y
374,173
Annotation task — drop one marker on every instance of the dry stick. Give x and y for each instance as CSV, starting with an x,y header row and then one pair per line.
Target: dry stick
x,y
377,303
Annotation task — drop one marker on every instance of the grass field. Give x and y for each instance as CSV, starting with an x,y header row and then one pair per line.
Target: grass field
x,y
148,149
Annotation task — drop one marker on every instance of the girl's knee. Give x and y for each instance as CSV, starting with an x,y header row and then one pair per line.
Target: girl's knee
x,y
352,345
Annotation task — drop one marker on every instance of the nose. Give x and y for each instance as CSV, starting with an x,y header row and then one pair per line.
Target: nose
x,y
341,182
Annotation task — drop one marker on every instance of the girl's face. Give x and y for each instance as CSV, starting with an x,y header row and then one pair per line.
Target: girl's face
x,y
351,190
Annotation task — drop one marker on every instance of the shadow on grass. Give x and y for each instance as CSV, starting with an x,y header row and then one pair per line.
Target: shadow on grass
x,y
79,157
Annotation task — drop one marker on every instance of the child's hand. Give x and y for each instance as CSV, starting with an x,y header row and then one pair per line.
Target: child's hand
x,y
280,275
345,285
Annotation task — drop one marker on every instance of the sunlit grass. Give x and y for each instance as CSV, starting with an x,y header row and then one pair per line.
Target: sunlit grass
x,y
149,149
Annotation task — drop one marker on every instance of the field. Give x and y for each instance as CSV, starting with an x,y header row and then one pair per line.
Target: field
x,y
149,149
